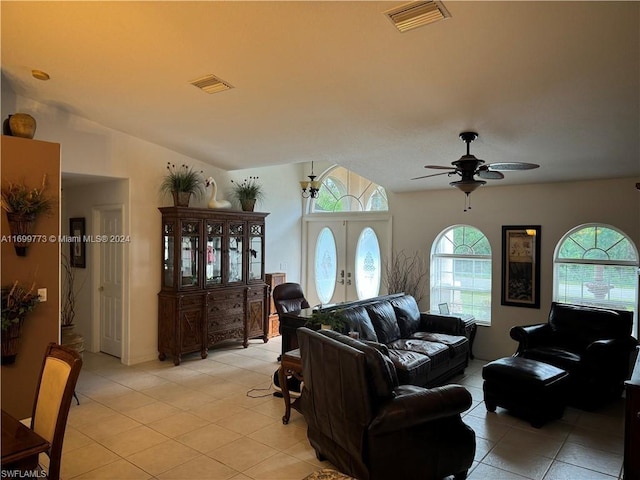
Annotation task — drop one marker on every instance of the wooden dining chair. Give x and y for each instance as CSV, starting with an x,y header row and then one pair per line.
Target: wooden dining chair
x,y
57,382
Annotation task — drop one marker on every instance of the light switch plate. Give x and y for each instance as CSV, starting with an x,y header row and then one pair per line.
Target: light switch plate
x,y
43,294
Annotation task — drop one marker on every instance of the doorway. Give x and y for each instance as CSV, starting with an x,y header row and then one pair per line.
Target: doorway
x,y
108,276
344,257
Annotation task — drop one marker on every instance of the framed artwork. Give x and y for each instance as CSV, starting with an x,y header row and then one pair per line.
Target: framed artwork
x,y
443,308
521,266
77,254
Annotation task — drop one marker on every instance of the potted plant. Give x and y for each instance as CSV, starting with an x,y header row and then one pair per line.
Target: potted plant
x,y
327,320
23,206
182,182
247,193
17,301
68,337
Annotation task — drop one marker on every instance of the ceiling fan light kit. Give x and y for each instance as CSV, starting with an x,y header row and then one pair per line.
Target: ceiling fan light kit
x,y
468,166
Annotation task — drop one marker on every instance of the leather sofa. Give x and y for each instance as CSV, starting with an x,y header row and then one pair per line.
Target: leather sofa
x,y
425,350
594,345
370,427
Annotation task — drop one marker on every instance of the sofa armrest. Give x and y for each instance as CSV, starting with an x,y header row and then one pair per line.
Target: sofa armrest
x,y
450,325
529,336
381,347
416,405
603,353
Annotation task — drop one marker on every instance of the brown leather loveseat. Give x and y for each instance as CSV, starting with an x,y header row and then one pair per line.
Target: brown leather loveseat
x,y
426,350
370,427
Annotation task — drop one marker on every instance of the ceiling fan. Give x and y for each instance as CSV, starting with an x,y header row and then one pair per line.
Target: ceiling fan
x,y
468,166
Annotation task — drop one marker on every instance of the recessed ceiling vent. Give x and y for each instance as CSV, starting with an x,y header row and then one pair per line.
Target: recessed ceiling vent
x,y
211,84
416,14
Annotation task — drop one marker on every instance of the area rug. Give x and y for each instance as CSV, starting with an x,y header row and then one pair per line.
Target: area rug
x,y
328,474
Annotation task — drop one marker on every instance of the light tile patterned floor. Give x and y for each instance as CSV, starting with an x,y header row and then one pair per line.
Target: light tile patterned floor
x,y
217,419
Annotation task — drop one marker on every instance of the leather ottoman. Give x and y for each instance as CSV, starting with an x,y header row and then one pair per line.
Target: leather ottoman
x,y
528,388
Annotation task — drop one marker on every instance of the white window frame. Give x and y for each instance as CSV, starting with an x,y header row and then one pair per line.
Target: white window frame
x,y
436,298
587,261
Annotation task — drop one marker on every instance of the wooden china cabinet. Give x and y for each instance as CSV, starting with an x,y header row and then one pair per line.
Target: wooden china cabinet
x,y
213,282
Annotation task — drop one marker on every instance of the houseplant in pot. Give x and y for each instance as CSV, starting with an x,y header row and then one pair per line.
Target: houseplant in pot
x,y
247,193
182,182
17,302
326,320
23,206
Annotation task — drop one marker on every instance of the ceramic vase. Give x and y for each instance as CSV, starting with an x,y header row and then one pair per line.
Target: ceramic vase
x,y
21,125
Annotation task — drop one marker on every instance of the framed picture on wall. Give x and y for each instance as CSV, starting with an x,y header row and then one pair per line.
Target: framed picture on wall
x,y
77,246
521,266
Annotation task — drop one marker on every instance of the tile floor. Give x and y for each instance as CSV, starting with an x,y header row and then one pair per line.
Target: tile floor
x,y
202,420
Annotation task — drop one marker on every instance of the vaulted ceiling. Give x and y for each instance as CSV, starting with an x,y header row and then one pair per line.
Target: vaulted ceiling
x,y
553,83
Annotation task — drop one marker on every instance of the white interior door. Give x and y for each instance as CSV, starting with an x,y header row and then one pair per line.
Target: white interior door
x,y
345,259
111,281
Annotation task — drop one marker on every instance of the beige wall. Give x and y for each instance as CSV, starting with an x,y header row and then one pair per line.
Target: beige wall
x,y
558,207
25,160
91,149
417,218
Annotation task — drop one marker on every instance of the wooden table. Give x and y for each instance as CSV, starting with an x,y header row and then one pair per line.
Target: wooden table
x,y
20,445
290,364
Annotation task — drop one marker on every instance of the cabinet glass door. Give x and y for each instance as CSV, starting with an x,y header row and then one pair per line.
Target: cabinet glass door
x,y
213,257
167,259
236,253
255,252
190,259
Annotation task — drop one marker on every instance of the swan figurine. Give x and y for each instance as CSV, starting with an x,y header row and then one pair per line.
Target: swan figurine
x,y
213,203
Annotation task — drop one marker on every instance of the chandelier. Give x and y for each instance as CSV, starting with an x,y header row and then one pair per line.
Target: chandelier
x,y
311,187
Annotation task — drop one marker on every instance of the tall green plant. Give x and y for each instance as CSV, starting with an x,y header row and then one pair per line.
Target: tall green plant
x,y
183,179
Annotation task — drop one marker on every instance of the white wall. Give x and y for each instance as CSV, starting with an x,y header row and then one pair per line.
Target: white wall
x,y
89,148
419,217
283,225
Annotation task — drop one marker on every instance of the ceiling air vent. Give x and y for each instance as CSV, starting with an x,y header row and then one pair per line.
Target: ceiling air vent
x,y
211,84
416,14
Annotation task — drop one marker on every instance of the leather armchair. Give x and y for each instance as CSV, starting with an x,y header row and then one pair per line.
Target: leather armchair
x,y
289,297
371,428
593,344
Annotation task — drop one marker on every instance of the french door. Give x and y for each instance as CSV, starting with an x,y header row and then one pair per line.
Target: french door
x,y
345,257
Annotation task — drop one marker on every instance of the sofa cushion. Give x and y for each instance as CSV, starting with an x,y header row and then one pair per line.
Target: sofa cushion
x,y
381,369
412,368
457,344
438,353
357,320
407,315
558,357
384,321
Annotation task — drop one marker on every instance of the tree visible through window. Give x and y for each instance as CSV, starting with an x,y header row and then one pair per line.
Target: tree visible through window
x,y
596,265
461,272
345,191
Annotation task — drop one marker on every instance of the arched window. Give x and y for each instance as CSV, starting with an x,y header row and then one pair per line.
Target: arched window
x,y
345,191
461,272
597,265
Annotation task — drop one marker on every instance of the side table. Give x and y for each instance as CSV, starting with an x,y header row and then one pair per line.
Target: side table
x,y
290,364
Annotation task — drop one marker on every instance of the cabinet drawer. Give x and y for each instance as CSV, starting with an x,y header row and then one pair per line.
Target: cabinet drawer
x,y
225,322
237,295
191,301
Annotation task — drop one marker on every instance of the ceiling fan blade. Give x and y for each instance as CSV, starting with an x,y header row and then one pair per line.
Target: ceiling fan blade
x,y
433,175
490,174
438,167
512,166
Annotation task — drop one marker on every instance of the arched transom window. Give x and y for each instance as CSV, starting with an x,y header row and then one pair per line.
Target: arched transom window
x,y
461,272
345,191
